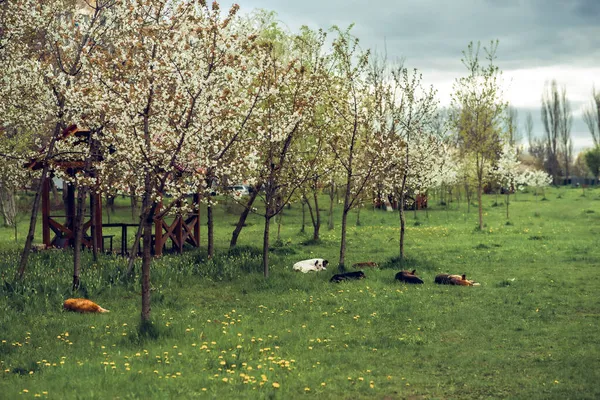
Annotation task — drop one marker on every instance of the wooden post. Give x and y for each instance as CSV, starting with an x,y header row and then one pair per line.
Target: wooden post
x,y
158,231
97,218
70,208
46,212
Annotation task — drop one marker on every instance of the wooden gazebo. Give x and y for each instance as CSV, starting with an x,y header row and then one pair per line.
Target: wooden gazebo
x,y
180,231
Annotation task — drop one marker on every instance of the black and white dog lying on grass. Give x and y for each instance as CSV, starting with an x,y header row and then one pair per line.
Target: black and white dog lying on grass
x,y
314,264
347,276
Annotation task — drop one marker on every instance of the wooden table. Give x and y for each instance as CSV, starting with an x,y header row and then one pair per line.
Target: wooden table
x,y
123,227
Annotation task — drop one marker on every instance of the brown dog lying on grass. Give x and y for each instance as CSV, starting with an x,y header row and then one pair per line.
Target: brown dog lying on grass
x,y
460,280
369,264
83,306
408,277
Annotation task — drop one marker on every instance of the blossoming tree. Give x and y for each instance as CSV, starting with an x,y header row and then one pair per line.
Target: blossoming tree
x,y
44,57
477,107
507,172
409,113
167,89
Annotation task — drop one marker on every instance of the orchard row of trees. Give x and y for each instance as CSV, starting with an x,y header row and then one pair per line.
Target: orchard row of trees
x,y
181,97
553,152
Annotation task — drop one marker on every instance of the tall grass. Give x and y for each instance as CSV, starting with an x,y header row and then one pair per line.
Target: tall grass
x,y
220,330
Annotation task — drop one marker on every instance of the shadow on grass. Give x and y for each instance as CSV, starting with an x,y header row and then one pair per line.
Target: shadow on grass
x,y
408,263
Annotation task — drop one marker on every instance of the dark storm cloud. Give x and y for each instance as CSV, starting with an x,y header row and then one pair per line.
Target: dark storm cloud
x,y
430,32
539,40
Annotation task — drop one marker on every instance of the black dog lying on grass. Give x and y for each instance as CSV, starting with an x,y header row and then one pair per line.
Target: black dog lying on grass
x,y
347,276
408,277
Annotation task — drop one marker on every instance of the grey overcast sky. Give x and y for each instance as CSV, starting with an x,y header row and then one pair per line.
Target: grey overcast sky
x,y
540,40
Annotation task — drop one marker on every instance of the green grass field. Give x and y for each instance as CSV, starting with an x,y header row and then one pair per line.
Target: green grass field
x,y
222,331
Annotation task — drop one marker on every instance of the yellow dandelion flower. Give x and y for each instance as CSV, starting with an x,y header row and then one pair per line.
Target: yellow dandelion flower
x,y
275,385
307,389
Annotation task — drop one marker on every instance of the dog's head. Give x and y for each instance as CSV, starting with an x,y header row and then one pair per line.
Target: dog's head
x,y
321,265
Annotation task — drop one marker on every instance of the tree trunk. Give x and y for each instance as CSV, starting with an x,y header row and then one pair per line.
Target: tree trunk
x,y
315,217
402,224
331,198
341,265
65,192
70,208
134,204
358,217
55,195
480,203
317,222
242,220
345,212
110,203
279,226
147,220
78,233
93,227
134,248
266,247
468,196
210,224
303,214
8,206
110,206
36,205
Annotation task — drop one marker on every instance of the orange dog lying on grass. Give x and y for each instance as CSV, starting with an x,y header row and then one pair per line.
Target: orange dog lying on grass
x,y
83,306
460,280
